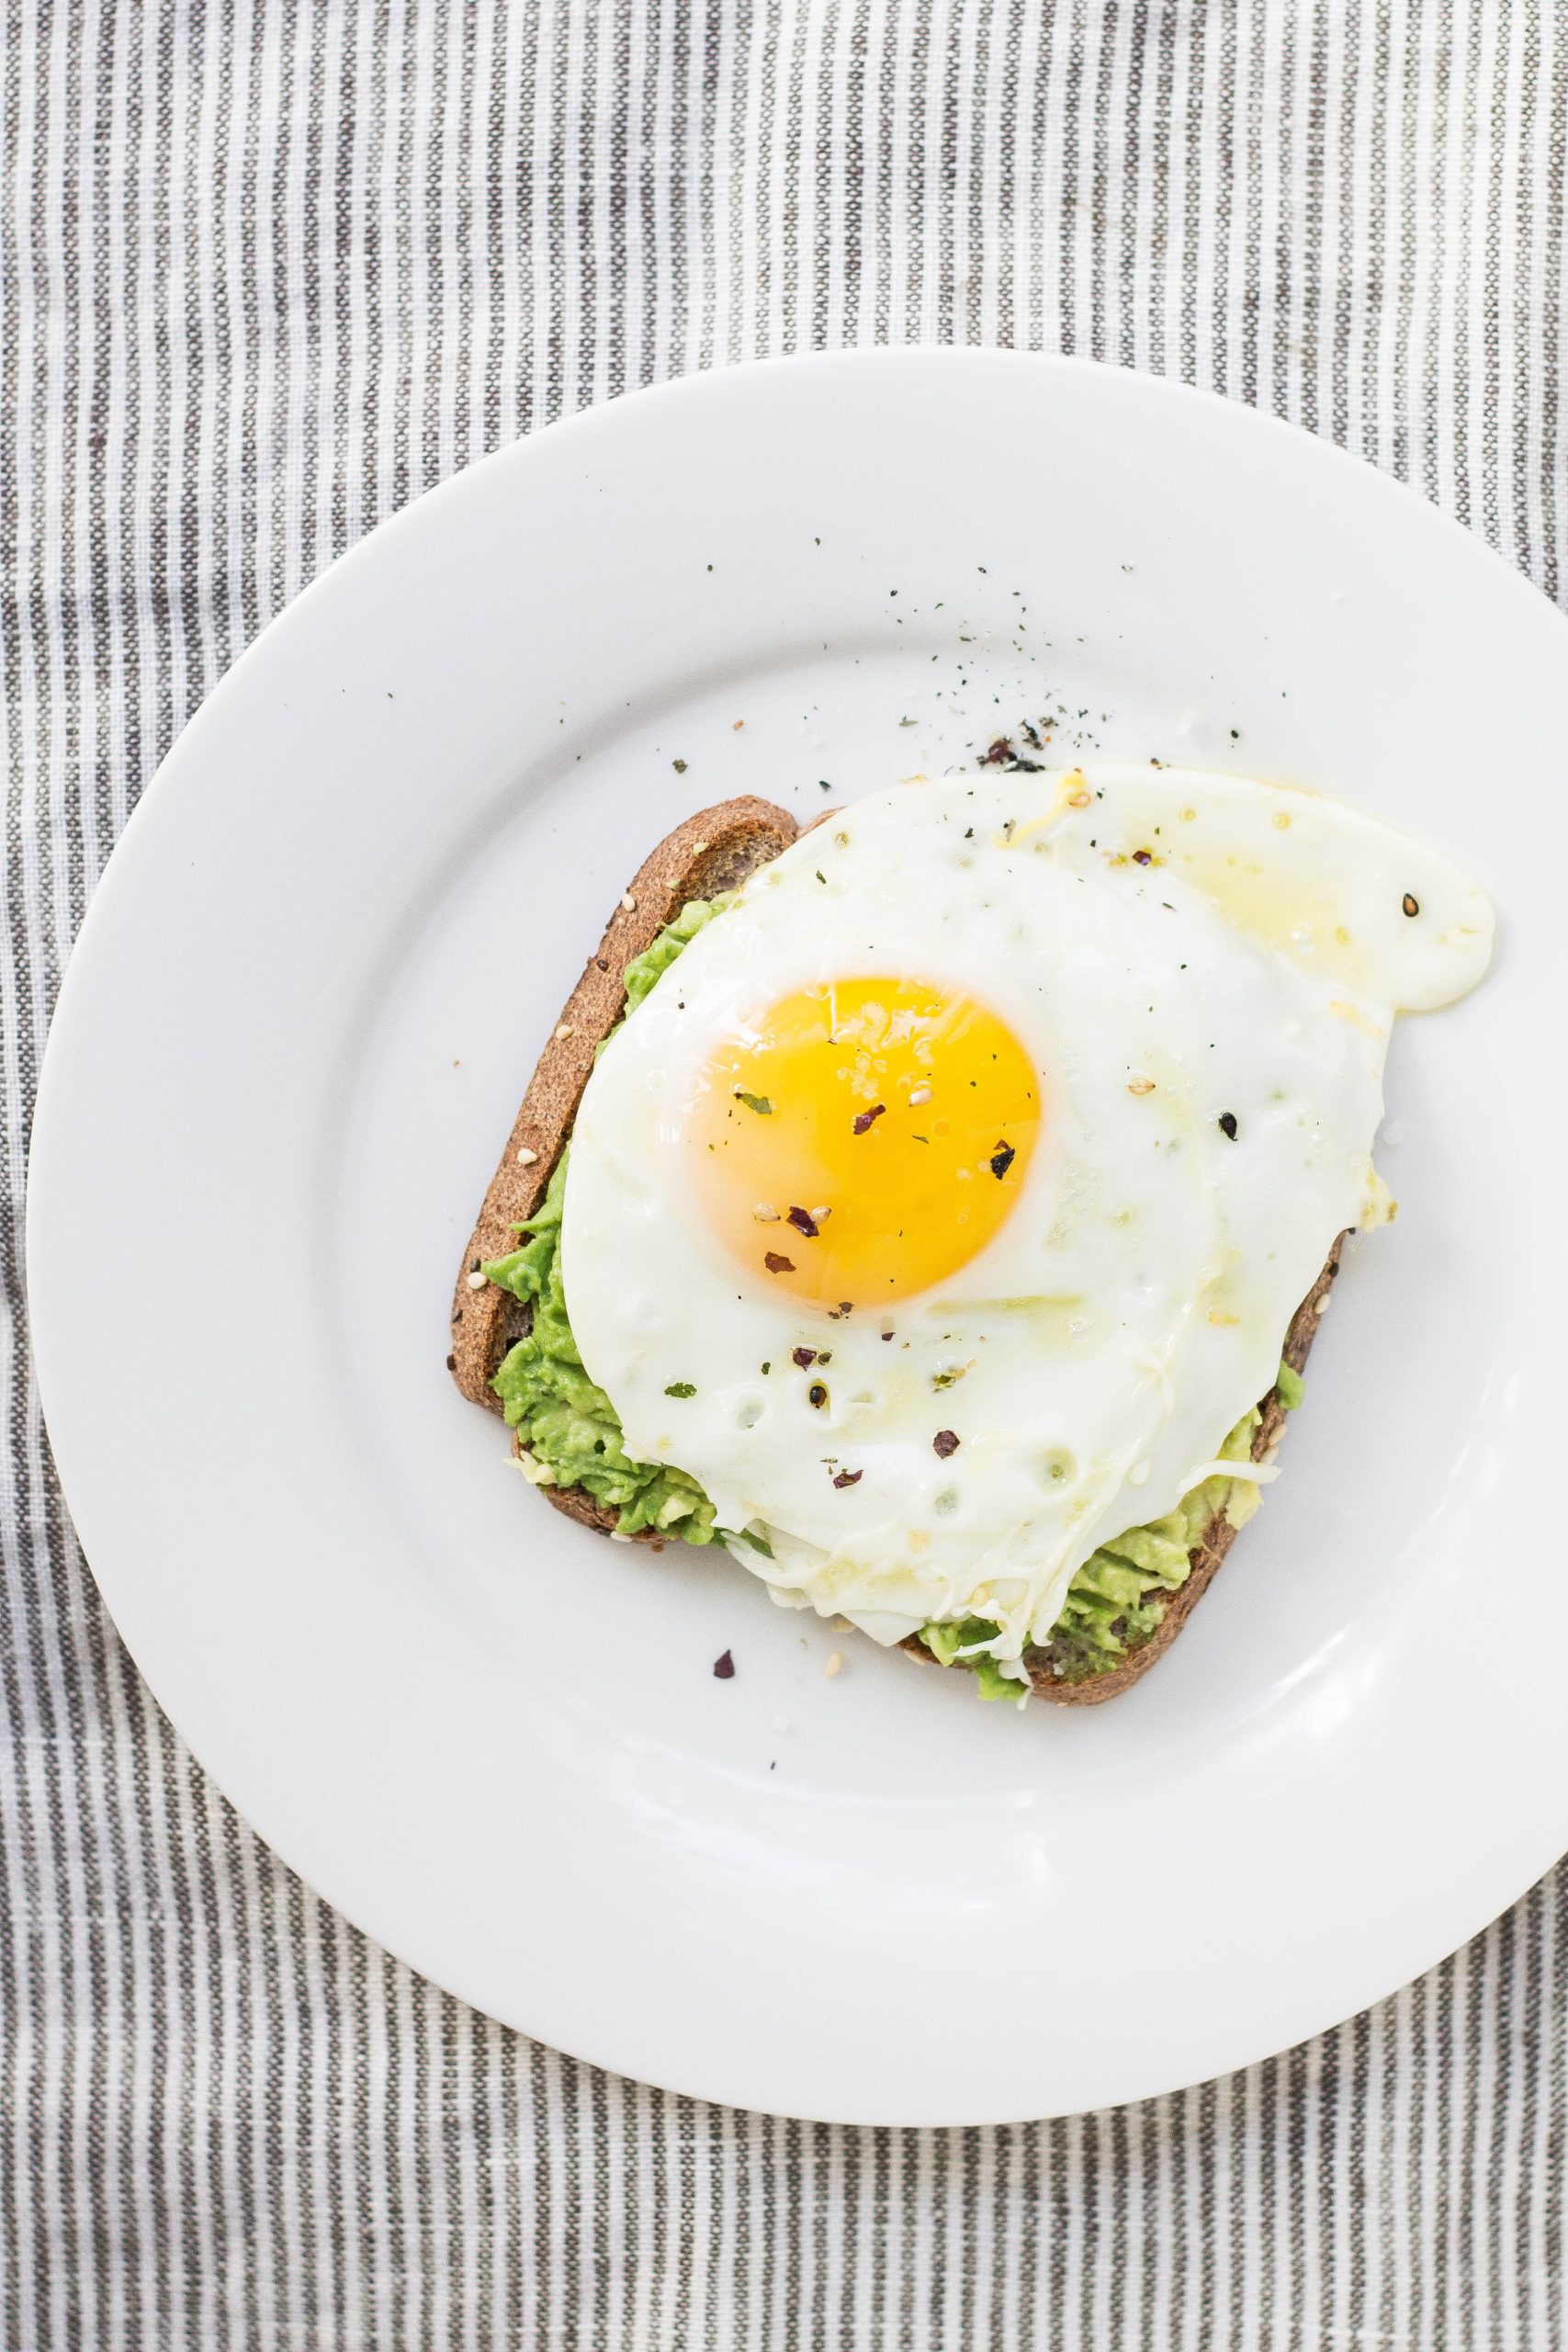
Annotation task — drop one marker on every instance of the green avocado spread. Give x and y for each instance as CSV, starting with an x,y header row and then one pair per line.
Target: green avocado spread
x,y
573,1438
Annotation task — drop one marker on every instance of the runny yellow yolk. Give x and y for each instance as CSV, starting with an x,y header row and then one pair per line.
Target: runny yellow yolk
x,y
863,1140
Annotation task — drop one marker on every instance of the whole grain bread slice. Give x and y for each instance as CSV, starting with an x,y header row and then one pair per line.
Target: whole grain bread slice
x,y
717,850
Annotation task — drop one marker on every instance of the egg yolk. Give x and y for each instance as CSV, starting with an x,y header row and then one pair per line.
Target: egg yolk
x,y
862,1139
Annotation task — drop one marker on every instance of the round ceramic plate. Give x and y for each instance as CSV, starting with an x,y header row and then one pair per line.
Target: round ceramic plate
x,y
306,1000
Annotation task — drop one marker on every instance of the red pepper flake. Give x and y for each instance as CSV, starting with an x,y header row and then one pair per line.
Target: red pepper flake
x,y
849,1477
804,1222
888,1335
996,753
803,1357
723,1668
777,1264
1002,1160
1143,857
944,1443
864,1119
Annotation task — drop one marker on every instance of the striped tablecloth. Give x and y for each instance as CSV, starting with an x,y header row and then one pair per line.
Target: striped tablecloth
x,y
270,269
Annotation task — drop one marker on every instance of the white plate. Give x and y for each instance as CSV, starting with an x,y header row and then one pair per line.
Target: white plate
x,y
303,1008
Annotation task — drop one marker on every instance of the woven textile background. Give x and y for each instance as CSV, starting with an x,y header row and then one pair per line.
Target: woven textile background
x,y
270,269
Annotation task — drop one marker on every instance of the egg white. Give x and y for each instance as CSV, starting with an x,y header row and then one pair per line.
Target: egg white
x,y
1093,1356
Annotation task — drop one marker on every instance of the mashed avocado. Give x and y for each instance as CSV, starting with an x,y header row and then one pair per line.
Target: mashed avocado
x,y
573,1438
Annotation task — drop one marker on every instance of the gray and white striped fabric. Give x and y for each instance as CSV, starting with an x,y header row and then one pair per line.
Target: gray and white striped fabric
x,y
270,269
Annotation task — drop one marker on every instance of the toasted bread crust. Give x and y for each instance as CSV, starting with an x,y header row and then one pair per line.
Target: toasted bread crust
x,y
717,850
714,850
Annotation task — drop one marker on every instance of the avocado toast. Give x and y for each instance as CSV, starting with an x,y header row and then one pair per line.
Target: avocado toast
x,y
512,1350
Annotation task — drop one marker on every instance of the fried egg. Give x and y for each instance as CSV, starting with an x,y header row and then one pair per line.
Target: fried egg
x,y
946,1205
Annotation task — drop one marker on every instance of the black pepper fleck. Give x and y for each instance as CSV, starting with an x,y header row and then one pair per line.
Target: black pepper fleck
x,y
1227,1124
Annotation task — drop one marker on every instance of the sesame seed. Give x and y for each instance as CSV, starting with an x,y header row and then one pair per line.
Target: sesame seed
x,y
835,1664
475,1282
525,1158
764,1215
629,902
566,1030
1140,1086
919,1094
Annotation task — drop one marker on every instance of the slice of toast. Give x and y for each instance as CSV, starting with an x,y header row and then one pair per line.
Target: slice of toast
x,y
717,850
